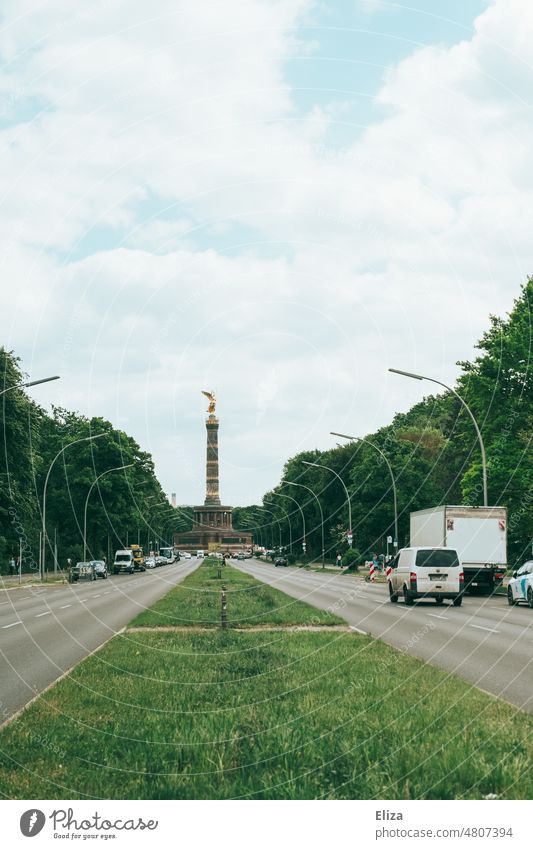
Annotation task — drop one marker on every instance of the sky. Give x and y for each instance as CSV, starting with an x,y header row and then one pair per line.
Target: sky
x,y
272,199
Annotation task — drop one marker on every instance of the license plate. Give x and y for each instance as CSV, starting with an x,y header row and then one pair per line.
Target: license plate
x,y
438,577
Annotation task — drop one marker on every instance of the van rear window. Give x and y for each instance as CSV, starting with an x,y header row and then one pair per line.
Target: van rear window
x,y
439,558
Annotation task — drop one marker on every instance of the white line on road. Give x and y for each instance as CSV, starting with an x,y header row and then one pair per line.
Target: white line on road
x,y
46,613
482,628
5,602
358,630
13,623
65,605
438,616
107,593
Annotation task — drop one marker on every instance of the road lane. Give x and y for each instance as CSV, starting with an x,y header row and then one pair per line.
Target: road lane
x,y
58,626
485,641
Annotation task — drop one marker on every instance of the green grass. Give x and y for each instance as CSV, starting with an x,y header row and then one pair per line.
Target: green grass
x,y
206,713
196,602
263,715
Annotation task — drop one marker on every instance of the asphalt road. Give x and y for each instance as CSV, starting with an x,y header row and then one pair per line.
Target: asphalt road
x,y
484,641
46,630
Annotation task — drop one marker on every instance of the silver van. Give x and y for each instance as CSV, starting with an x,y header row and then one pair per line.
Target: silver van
x,y
426,573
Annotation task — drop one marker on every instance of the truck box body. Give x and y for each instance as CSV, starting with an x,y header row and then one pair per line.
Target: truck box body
x,y
479,534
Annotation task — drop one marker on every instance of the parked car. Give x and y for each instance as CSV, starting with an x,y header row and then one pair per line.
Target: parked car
x,y
82,571
100,568
521,585
426,573
150,563
186,555
281,561
240,556
160,561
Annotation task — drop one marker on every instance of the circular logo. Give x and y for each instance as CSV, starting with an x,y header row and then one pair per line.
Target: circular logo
x,y
32,822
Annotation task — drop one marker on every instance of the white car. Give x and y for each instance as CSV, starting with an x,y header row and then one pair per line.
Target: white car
x,y
185,554
521,585
426,573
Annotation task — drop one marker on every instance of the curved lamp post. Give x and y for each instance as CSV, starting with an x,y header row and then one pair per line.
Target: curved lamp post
x,y
287,516
333,472
470,413
29,383
59,453
315,496
258,529
278,521
394,491
283,495
116,469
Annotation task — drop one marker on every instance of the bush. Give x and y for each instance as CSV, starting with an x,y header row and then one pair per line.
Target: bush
x,y
351,560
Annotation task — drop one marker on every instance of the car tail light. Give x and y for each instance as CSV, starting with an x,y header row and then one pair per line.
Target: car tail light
x,y
412,580
461,576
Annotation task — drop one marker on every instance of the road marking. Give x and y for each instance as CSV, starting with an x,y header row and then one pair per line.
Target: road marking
x,y
358,630
107,593
438,616
46,613
5,602
19,622
482,628
25,596
96,596
65,605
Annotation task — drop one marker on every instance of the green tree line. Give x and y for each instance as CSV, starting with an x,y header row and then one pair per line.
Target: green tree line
x,y
434,453
125,506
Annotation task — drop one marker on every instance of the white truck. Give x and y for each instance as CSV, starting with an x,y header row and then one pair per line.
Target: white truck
x,y
478,534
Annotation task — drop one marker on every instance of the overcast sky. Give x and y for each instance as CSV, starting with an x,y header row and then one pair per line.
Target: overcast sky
x,y
273,199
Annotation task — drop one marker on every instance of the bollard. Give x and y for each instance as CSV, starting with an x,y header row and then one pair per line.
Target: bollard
x,y
224,609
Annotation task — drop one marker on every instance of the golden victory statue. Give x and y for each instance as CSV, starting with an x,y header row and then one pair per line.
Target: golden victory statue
x,y
212,401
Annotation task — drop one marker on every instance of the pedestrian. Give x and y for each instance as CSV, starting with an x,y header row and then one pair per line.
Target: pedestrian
x,y
69,563
12,566
339,561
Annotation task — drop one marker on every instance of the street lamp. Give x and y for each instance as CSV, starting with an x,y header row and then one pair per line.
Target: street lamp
x,y
59,453
29,383
301,512
116,469
287,516
279,524
394,491
333,472
470,413
315,496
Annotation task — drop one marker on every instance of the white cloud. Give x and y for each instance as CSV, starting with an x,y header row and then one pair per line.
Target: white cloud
x,y
245,254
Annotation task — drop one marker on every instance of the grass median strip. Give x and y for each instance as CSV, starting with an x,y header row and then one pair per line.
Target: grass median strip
x,y
294,713
196,602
